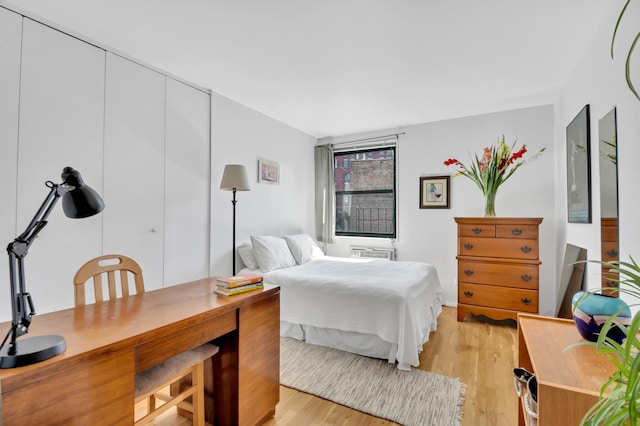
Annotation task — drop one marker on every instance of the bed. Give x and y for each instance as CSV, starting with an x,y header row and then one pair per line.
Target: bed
x,y
372,307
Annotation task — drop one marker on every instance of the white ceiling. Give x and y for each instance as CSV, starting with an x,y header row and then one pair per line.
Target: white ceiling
x,y
335,67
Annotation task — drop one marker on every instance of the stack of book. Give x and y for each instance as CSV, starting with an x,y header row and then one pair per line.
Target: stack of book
x,y
228,286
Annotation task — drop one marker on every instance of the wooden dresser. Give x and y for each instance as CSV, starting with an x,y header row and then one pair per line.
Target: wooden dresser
x,y
498,265
610,252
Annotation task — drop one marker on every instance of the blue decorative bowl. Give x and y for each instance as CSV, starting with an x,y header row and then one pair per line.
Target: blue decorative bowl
x,y
593,310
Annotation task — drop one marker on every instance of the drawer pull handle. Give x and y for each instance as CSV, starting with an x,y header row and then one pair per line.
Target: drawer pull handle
x,y
476,230
526,277
468,293
468,272
525,249
525,300
468,246
612,253
516,231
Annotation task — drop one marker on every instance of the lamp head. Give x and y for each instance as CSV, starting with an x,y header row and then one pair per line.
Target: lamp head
x,y
80,200
235,178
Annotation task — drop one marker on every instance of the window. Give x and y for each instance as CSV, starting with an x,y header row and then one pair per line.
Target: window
x,y
366,192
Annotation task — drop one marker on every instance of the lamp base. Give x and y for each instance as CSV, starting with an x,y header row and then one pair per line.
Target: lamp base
x,y
32,350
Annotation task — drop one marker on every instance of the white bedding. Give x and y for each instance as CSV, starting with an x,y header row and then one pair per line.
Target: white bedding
x,y
394,302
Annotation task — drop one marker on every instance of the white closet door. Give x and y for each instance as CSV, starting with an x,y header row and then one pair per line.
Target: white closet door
x,y
61,124
10,40
134,166
187,183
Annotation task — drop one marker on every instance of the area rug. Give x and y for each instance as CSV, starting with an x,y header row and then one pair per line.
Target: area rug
x,y
372,386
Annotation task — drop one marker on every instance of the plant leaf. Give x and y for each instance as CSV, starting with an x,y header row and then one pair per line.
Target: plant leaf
x,y
615,30
628,66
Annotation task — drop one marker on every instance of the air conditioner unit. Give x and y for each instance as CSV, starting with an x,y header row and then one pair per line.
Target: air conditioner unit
x,y
373,252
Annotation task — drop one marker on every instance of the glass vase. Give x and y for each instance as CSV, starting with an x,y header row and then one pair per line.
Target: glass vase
x,y
490,204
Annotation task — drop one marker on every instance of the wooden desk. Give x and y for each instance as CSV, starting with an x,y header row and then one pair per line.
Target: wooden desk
x,y
92,382
568,381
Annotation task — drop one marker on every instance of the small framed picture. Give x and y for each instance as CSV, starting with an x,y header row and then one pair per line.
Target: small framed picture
x,y
434,192
268,172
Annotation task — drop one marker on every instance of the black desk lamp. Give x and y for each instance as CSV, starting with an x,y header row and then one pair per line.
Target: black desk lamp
x,y
234,179
78,201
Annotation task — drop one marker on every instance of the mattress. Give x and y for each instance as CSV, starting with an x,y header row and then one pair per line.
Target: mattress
x,y
372,307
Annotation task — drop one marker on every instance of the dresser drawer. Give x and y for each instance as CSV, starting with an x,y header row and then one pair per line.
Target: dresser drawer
x,y
609,233
477,230
609,251
610,279
509,248
505,275
609,229
498,297
517,231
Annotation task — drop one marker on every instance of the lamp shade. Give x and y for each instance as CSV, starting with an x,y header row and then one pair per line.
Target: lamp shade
x,y
235,177
81,201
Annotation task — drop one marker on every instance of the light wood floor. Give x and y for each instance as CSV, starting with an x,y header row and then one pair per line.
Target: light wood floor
x,y
480,354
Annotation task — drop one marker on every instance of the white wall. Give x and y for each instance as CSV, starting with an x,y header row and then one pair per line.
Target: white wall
x,y
429,235
599,81
241,135
537,189
10,29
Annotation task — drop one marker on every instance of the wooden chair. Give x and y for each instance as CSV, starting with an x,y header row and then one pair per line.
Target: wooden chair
x,y
149,383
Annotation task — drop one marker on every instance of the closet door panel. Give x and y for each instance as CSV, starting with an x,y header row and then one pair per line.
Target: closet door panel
x,y
187,183
61,124
10,41
134,165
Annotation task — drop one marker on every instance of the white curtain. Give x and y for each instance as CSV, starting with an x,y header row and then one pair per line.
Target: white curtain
x,y
325,194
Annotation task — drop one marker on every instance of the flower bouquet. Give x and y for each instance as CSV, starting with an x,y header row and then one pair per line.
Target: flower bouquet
x,y
492,169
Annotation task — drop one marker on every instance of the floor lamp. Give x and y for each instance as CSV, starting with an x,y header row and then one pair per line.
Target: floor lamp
x,y
234,179
78,201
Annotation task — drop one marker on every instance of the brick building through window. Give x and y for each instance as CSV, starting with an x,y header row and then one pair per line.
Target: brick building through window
x,y
365,192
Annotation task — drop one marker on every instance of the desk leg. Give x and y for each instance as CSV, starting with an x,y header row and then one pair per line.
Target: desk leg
x,y
221,383
245,377
258,360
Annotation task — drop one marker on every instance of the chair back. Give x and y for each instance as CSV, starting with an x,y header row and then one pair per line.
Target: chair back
x,y
117,268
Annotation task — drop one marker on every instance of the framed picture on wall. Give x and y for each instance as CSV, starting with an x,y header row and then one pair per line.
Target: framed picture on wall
x,y
268,172
434,192
579,168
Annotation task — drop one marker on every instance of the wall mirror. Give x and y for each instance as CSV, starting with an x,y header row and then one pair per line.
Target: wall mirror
x,y
571,279
608,146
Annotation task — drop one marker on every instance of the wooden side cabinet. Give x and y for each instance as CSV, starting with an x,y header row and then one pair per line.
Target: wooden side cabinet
x,y
498,266
569,380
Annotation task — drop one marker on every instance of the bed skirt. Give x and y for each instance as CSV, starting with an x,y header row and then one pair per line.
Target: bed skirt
x,y
357,343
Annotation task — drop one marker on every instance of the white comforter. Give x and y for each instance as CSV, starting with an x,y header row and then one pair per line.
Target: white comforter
x,y
396,301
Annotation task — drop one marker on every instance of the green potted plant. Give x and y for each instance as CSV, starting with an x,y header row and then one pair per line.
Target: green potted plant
x,y
619,402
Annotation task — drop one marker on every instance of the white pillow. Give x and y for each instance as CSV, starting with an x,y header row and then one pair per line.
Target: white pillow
x,y
248,256
272,253
303,247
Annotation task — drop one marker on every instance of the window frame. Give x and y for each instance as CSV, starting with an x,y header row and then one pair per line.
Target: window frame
x,y
392,191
